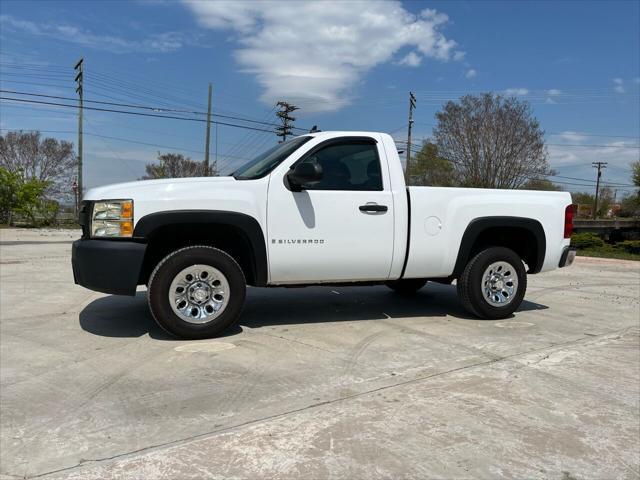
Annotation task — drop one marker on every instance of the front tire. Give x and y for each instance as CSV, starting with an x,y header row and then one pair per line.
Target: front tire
x,y
493,284
196,292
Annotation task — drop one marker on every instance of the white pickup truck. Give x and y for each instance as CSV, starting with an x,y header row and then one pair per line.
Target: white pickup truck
x,y
322,208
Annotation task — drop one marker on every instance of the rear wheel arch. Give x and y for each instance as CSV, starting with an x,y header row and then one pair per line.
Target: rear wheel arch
x,y
237,234
525,236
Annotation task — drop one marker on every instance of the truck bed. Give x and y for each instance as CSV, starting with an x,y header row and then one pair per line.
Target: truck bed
x,y
439,217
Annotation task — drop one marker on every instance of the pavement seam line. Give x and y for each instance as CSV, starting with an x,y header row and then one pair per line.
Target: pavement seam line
x,y
85,462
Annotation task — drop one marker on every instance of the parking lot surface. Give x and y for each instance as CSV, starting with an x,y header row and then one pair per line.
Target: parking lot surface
x,y
319,382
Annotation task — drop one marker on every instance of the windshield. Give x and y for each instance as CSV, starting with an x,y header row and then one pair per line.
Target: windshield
x,y
267,161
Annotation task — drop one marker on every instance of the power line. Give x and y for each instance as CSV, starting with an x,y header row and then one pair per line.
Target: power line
x,y
581,134
593,135
575,145
592,145
56,85
109,137
416,149
587,180
150,92
145,107
247,142
134,113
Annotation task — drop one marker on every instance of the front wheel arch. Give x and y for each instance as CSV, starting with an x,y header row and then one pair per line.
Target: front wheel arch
x,y
238,234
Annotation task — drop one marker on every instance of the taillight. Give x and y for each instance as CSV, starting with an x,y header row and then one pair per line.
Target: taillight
x,y
568,220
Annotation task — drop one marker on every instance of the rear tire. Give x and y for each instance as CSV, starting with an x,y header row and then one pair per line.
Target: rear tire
x,y
493,284
196,292
407,286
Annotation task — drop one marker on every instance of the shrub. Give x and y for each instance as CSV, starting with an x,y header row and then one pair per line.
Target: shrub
x,y
586,240
630,246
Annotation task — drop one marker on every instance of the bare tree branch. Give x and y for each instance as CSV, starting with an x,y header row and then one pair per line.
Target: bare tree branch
x,y
48,160
492,141
173,165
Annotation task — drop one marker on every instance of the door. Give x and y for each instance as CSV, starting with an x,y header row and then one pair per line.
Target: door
x,y
339,228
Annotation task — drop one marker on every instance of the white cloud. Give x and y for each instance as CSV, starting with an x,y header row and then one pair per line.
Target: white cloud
x,y
619,85
516,92
312,53
554,92
569,137
620,157
155,43
411,59
457,56
470,73
636,80
579,152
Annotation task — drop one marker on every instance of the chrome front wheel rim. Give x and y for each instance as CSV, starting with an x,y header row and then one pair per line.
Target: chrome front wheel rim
x,y
199,294
499,284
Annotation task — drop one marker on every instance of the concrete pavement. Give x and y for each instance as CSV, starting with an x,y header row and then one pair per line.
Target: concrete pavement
x,y
319,382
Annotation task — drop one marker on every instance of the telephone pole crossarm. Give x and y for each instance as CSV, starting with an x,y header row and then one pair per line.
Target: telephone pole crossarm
x,y
287,120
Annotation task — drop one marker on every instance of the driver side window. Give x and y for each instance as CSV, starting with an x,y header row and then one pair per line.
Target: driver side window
x,y
352,165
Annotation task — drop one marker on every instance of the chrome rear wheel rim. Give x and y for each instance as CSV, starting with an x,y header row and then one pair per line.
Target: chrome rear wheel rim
x,y
199,294
499,284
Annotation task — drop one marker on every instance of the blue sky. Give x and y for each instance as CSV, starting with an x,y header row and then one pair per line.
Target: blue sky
x,y
348,65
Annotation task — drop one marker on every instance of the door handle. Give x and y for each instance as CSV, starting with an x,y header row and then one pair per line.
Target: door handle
x,y
373,207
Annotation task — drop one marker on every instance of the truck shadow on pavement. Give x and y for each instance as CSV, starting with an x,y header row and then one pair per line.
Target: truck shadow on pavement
x,y
117,316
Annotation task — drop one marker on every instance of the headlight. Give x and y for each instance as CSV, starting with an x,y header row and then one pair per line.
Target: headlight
x,y
112,218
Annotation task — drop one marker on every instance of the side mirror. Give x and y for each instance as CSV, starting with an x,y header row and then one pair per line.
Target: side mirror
x,y
303,173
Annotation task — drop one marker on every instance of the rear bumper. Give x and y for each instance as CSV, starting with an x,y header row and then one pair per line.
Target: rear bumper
x,y
568,255
107,266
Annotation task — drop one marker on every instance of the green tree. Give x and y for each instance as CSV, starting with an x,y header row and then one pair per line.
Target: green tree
x,y
541,184
25,198
582,198
605,201
43,159
428,168
9,185
630,206
28,198
493,141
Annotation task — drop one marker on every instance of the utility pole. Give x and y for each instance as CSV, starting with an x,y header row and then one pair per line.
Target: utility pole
x,y
215,154
78,80
599,166
206,146
283,114
412,105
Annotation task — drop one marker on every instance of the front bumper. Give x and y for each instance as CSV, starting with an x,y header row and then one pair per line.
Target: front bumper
x,y
568,255
108,266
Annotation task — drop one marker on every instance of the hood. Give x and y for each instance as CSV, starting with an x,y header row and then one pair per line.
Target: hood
x,y
132,189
